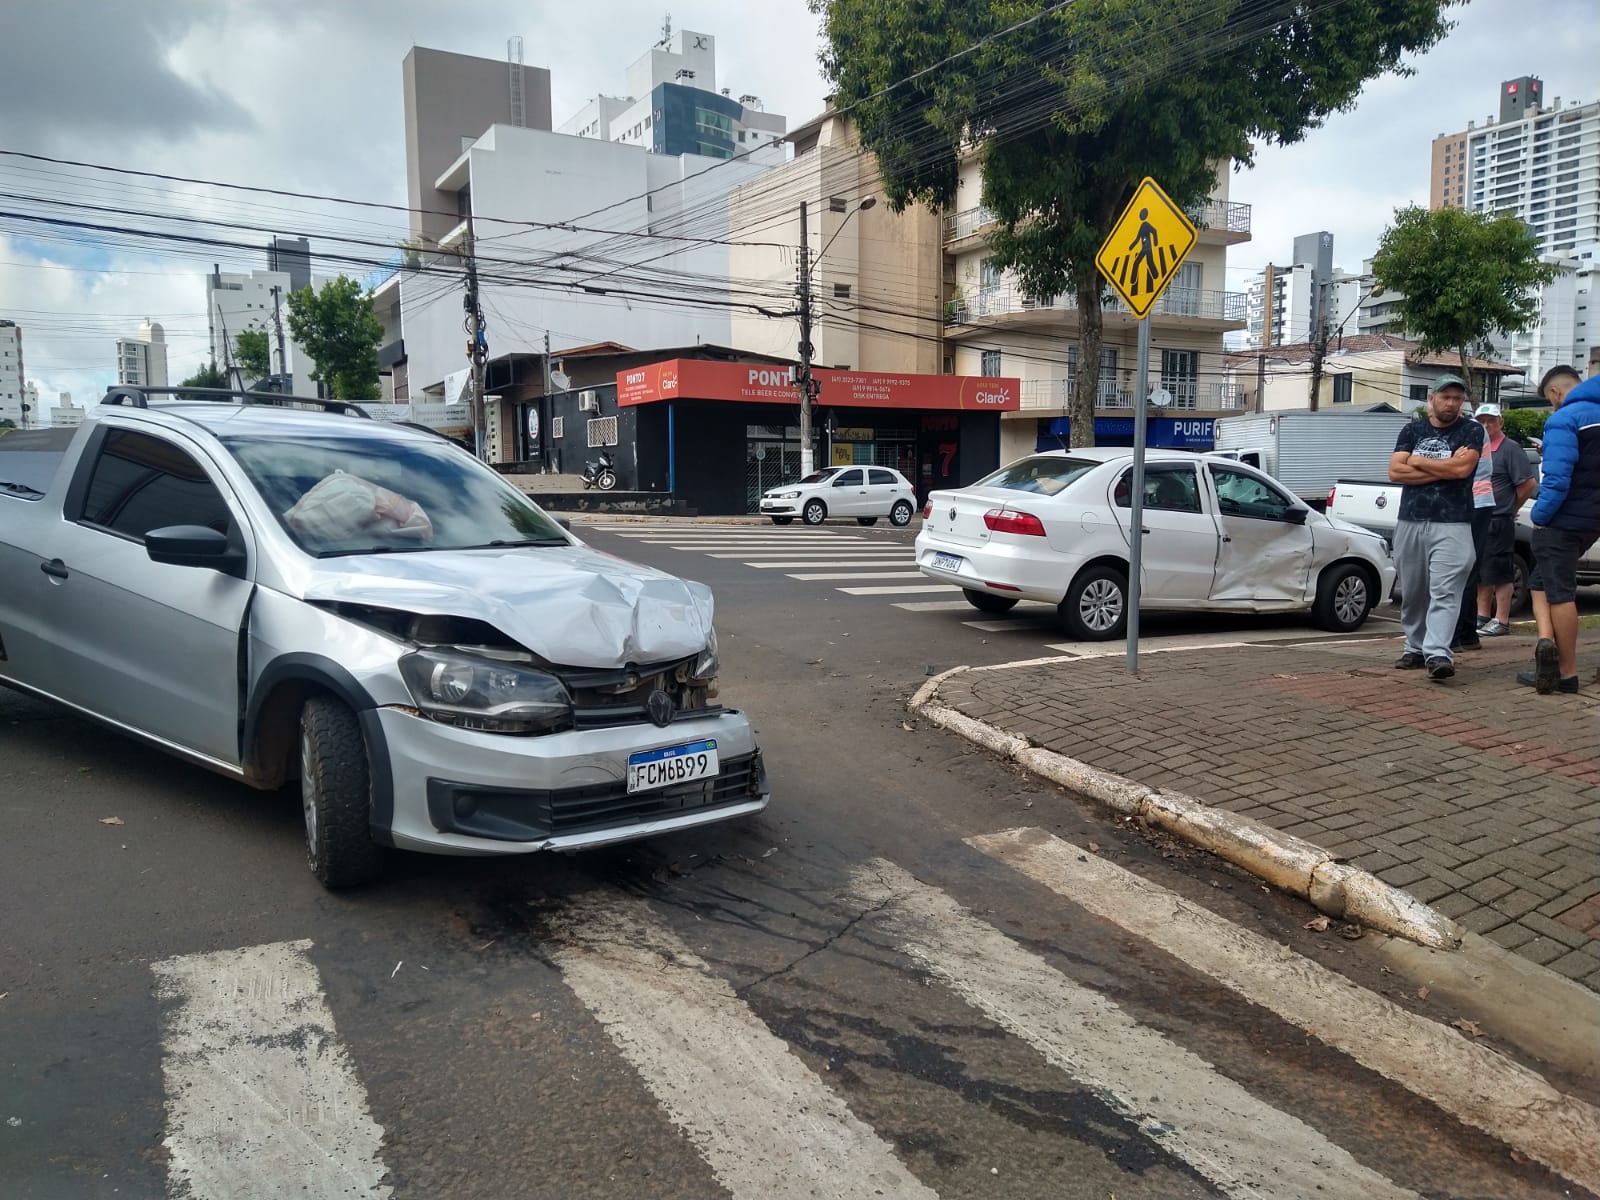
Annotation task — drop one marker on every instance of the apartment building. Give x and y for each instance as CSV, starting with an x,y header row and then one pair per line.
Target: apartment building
x,y
1282,303
1539,161
994,327
142,360
14,406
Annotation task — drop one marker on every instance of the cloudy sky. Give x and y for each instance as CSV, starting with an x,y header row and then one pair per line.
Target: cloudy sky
x,y
305,95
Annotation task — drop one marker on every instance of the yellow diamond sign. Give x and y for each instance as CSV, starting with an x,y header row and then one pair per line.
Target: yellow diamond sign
x,y
1150,240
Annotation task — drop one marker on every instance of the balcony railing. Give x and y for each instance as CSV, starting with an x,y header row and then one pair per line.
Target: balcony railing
x,y
964,224
1176,302
1226,215
1187,395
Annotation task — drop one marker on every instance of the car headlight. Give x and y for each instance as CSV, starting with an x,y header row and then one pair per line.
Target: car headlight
x,y
707,665
481,693
782,495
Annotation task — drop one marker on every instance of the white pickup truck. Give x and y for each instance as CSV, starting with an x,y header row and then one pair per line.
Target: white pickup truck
x,y
1375,505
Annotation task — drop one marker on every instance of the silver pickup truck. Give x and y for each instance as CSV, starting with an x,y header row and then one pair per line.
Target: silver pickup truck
x,y
287,591
1375,505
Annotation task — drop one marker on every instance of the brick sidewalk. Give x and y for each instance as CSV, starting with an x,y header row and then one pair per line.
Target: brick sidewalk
x,y
1479,796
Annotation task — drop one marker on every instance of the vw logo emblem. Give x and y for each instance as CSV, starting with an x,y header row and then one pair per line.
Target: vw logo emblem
x,y
952,516
659,708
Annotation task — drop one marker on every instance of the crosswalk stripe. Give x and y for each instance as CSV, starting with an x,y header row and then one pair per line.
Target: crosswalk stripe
x,y
832,575
807,552
934,606
261,1097
767,1126
1464,1078
896,590
1014,624
1247,1148
830,562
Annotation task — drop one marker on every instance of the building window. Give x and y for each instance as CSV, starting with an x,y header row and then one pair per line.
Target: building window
x,y
837,204
556,430
988,274
1417,393
948,364
989,365
602,432
1343,388
841,291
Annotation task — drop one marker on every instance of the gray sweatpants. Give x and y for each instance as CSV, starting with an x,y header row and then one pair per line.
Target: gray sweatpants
x,y
1433,560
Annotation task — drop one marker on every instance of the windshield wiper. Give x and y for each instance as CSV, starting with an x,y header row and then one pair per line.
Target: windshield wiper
x,y
506,543
20,489
372,550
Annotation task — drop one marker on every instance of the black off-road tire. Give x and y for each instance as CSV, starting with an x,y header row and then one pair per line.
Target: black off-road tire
x,y
336,795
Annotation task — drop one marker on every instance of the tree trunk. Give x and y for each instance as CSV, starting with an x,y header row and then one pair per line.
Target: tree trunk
x,y
1080,409
1466,373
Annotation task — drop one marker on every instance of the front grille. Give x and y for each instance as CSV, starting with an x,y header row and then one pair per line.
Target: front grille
x,y
605,699
525,816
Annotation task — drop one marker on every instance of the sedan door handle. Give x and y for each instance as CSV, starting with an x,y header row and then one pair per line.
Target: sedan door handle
x,y
1226,538
1144,531
55,568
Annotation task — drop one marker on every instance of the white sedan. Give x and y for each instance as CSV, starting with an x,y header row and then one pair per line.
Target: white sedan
x,y
865,493
1217,537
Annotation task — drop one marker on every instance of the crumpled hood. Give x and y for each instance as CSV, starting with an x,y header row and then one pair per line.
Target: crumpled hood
x,y
571,605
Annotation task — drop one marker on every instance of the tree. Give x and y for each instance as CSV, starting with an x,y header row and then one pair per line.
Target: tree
x,y
1466,276
1070,110
341,333
251,352
208,376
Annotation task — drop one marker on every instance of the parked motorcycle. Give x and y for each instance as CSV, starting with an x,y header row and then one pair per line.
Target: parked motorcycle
x,y
600,474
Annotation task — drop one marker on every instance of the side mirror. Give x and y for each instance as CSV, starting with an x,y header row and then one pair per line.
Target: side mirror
x,y
193,546
1296,516
564,522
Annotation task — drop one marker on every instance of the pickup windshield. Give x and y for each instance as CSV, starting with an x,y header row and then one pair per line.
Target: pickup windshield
x,y
361,494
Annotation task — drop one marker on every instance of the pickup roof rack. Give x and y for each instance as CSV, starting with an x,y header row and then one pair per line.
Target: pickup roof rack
x,y
139,397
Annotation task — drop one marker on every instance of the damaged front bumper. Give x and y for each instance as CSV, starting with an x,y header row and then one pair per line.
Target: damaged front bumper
x,y
459,791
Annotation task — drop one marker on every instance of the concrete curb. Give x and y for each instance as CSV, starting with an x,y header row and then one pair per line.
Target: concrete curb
x,y
1287,862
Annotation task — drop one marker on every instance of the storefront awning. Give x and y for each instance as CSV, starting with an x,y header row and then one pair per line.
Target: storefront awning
x,y
761,383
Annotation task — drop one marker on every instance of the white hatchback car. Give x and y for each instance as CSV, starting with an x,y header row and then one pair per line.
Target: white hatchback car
x,y
1218,536
865,493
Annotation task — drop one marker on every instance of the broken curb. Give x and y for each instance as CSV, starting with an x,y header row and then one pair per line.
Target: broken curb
x,y
1283,860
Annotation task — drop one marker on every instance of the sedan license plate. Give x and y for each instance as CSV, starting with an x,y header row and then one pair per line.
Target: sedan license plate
x,y
947,562
651,769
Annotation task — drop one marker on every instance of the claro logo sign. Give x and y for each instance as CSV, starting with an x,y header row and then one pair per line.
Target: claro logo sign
x,y
992,398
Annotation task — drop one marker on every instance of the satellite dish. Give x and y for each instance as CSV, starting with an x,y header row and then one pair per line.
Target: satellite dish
x,y
1160,397
561,379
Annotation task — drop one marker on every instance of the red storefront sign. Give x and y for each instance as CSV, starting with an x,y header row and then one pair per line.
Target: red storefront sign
x,y
759,383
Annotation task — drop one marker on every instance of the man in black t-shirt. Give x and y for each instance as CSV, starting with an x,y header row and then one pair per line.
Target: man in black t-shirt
x,y
1434,457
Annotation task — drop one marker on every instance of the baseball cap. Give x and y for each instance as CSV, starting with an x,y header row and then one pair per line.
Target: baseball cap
x,y
1487,410
1448,381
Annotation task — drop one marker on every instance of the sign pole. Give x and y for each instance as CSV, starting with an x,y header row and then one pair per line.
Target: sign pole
x,y
1136,512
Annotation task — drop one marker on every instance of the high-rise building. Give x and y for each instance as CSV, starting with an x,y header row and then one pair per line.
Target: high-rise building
x,y
1281,301
142,360
1566,326
64,413
13,405
1540,162
673,105
291,256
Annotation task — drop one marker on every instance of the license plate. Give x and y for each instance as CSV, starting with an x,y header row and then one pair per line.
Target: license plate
x,y
947,562
651,769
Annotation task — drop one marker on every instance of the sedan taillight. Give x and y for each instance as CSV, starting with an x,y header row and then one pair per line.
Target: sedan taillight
x,y
1009,520
927,510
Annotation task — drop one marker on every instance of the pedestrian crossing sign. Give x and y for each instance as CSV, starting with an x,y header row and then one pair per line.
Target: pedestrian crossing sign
x,y
1148,243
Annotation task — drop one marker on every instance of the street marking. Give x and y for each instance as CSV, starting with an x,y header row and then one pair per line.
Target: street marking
x,y
261,1096
1014,624
934,606
767,1126
809,552
734,543
859,575
892,590
1464,1078
824,562
1244,1146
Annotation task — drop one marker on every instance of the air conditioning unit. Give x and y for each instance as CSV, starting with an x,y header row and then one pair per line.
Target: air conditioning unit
x,y
588,401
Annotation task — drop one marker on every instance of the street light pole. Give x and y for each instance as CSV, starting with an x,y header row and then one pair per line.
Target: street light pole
x,y
808,386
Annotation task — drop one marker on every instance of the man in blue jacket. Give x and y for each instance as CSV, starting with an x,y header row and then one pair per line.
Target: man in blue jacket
x,y
1566,519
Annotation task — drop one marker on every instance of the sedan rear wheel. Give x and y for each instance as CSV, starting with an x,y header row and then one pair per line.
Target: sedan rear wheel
x,y
1096,605
1345,596
988,602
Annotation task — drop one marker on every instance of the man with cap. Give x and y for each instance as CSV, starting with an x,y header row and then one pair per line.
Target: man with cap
x,y
1512,481
1566,520
1434,458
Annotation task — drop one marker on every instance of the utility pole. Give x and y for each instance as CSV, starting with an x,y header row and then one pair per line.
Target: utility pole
x,y
1319,340
477,344
277,322
808,385
544,411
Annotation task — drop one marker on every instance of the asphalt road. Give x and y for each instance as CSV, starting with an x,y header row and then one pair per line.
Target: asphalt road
x,y
842,997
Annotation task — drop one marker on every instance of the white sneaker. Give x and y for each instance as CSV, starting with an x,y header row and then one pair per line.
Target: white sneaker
x,y
1493,628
